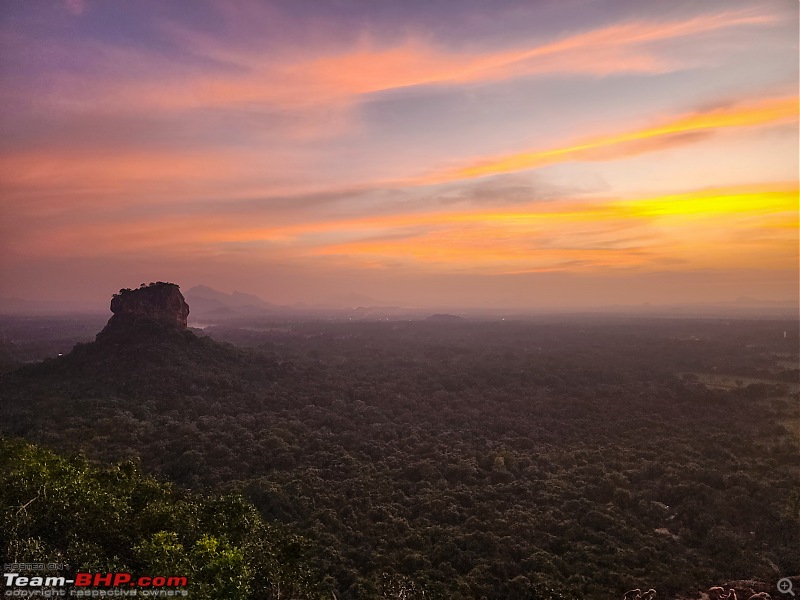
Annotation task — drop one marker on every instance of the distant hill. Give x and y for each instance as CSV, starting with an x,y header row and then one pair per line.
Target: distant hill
x,y
445,318
206,302
222,312
211,305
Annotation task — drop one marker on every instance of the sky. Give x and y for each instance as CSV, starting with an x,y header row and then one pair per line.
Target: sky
x,y
469,153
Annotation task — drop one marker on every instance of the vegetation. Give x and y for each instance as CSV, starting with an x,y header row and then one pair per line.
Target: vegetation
x,y
463,460
152,284
62,510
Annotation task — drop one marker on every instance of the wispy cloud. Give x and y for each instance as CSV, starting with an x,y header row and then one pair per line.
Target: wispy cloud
x,y
252,75
616,49
672,132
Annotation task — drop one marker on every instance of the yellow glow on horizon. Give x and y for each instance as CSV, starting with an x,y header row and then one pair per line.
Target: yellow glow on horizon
x,y
683,230
715,202
728,228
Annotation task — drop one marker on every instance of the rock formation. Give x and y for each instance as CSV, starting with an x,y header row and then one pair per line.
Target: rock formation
x,y
160,303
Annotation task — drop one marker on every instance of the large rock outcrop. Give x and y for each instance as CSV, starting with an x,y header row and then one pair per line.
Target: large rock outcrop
x,y
160,303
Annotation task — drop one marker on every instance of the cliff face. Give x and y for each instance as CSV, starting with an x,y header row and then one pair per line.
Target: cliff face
x,y
161,302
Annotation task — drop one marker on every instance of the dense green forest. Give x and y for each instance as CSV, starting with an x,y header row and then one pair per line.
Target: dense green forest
x,y
540,459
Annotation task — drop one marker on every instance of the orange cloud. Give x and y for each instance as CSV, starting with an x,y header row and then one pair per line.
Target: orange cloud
x,y
676,131
691,230
58,180
722,228
109,168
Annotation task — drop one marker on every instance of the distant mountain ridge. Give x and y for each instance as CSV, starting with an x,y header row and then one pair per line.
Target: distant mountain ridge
x,y
234,300
208,302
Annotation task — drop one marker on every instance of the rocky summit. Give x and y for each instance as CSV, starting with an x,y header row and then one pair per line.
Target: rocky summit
x,y
158,302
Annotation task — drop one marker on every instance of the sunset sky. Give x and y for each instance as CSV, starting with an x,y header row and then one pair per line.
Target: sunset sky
x,y
540,153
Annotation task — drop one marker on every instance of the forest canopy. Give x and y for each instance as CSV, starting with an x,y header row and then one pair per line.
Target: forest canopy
x,y
462,460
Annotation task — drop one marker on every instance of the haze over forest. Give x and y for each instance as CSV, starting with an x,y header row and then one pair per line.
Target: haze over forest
x,y
519,155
